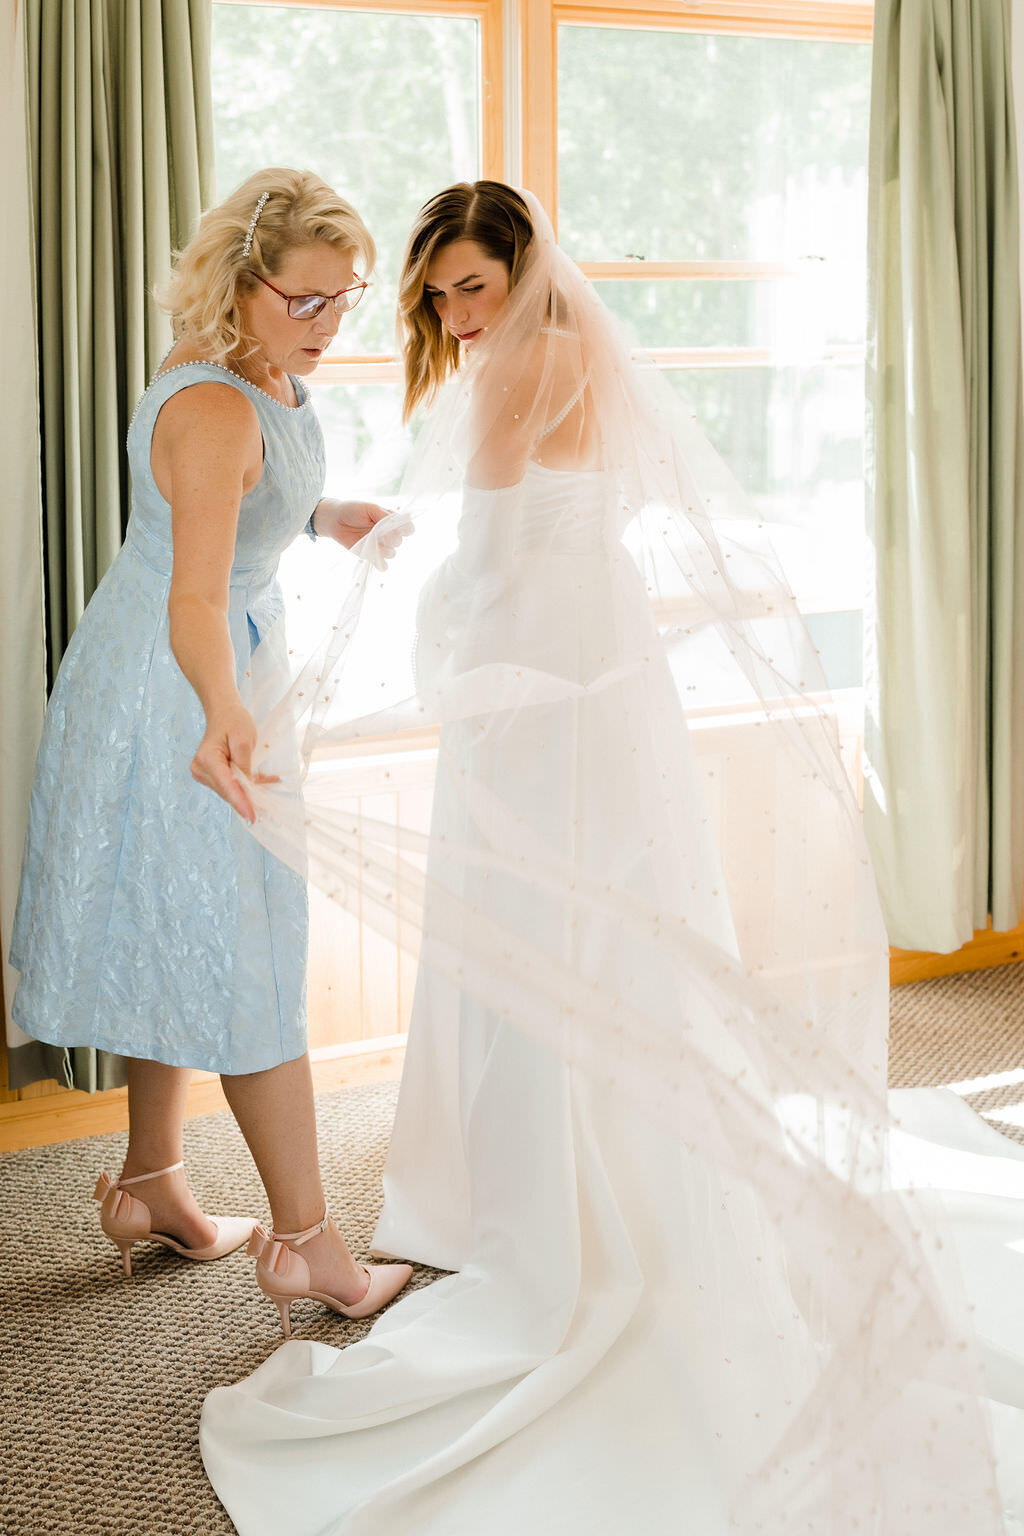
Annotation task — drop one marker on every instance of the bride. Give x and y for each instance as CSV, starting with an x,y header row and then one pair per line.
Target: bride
x,y
643,1112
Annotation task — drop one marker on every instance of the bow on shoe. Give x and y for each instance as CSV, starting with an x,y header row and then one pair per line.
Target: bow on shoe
x,y
272,1257
124,1214
258,1240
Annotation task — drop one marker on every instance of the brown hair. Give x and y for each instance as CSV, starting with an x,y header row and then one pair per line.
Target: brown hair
x,y
214,269
497,219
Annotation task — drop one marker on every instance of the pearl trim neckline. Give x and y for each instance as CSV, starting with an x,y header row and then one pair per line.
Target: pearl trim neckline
x,y
199,362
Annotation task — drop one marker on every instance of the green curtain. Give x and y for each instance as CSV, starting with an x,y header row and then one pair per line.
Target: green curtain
x,y
22,628
121,164
944,729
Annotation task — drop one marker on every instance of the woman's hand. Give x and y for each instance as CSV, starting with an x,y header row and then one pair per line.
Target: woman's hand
x,y
227,745
350,521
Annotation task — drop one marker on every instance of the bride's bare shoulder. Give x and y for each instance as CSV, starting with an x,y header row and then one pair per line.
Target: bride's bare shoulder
x,y
550,359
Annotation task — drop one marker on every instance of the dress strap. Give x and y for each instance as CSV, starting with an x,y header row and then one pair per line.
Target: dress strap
x,y
298,1238
573,401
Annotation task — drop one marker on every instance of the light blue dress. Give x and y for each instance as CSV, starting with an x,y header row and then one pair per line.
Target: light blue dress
x,y
149,922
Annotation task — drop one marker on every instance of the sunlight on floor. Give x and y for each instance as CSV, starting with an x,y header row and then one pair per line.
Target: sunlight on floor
x,y
971,1085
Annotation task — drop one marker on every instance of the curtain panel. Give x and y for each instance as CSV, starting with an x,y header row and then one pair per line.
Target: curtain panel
x,y
944,674
22,625
120,164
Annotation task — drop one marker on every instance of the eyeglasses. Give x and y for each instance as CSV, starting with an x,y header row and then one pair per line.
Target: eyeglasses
x,y
306,306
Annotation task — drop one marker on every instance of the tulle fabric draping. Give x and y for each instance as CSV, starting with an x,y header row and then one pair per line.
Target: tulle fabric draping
x,y
644,852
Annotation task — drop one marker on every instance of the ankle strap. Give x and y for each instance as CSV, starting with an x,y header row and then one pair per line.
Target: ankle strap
x,y
141,1178
298,1238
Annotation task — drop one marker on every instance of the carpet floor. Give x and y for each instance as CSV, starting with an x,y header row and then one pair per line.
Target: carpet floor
x,y
102,1379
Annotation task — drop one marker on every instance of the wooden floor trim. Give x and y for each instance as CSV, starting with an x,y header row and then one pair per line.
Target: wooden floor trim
x,y
67,1114
985,950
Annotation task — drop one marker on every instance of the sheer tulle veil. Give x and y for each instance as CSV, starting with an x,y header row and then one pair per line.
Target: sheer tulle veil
x,y
590,607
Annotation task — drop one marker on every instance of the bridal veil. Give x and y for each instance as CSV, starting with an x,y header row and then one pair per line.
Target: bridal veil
x,y
646,857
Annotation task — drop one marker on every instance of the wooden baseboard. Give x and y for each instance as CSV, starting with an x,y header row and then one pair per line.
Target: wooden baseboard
x,y
66,1114
985,950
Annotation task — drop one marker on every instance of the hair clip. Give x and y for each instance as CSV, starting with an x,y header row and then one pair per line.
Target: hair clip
x,y
247,247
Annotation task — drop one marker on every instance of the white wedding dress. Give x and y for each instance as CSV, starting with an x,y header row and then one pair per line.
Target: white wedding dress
x,y
623,1337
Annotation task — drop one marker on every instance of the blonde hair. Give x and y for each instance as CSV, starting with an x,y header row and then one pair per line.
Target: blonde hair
x,y
497,219
214,269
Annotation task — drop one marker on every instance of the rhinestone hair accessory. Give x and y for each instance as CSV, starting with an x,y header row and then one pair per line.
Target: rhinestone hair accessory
x,y
247,247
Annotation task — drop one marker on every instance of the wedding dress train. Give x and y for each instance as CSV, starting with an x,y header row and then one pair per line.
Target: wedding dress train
x,y
623,1339
705,1282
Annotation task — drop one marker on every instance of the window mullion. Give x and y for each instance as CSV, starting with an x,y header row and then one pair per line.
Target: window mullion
x,y
828,20
540,103
642,271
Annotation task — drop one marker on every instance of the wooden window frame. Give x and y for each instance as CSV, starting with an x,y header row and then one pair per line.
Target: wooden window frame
x,y
519,58
487,12
847,21
829,20
384,368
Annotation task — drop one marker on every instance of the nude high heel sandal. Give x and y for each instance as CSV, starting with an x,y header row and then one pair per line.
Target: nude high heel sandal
x,y
126,1221
283,1275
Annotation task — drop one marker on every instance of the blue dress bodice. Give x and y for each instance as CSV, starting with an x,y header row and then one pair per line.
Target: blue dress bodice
x,y
269,516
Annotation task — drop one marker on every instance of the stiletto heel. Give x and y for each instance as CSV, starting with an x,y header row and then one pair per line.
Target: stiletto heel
x,y
283,1275
126,1221
124,1247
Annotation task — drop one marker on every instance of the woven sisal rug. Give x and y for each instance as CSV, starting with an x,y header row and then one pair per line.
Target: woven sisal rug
x,y
102,1379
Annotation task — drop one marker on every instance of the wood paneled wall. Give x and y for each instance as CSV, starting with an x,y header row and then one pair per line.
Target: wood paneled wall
x,y
361,984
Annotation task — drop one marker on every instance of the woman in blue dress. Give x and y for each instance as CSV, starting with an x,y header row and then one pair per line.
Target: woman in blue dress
x,y
149,922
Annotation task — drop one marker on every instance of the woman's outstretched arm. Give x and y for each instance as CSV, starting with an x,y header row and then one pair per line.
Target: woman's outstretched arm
x,y
209,453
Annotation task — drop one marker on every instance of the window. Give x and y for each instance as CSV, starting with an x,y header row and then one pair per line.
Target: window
x,y
716,185
707,166
705,163
388,104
